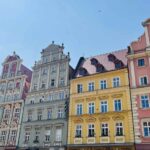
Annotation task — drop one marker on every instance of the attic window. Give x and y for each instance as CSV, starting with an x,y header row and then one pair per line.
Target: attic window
x,y
82,71
111,57
118,64
94,61
100,68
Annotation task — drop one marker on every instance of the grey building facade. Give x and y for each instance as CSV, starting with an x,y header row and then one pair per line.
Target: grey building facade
x,y
44,124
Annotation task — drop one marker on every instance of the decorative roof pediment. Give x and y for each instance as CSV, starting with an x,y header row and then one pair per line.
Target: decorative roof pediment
x,y
104,118
78,120
118,117
90,119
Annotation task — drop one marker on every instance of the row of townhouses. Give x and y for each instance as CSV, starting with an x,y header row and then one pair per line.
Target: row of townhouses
x,y
102,104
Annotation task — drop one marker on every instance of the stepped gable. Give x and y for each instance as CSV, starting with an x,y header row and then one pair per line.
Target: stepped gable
x,y
103,60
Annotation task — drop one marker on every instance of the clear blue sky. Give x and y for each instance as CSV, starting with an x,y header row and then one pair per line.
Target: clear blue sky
x,y
86,27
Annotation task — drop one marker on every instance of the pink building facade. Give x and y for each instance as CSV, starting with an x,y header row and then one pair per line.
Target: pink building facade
x,y
14,86
139,75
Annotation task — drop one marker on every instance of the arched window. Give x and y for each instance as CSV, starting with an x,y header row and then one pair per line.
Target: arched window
x,y
118,64
94,61
100,68
83,71
111,57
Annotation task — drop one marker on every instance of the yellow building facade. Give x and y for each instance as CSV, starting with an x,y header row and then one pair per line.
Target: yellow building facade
x,y
100,114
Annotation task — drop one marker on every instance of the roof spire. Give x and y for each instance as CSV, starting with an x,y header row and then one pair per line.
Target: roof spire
x,y
53,42
14,53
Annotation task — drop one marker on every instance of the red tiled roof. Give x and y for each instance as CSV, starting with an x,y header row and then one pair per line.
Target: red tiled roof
x,y
103,59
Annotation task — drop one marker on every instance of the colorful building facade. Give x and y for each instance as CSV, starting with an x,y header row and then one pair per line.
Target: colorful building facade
x,y
44,124
14,86
100,115
139,75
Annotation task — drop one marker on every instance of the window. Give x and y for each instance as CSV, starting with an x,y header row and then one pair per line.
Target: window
x,y
49,113
60,113
47,135
146,129
62,82
143,81
39,116
29,116
104,106
58,134
3,135
79,109
27,136
145,101
141,62
103,84
91,108
7,114
17,112
35,86
119,129
116,82
61,95
43,86
78,131
13,135
91,130
79,88
117,105
52,82
91,86
44,72
104,129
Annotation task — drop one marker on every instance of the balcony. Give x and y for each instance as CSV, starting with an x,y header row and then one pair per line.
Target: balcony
x,y
120,139
58,141
104,139
90,140
47,143
78,140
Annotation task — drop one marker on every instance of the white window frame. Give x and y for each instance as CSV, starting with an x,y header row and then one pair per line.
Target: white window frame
x,y
121,105
89,109
113,82
104,104
91,82
141,82
81,105
100,84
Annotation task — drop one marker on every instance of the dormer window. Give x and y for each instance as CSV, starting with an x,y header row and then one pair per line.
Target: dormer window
x,y
111,57
100,68
82,71
118,64
94,61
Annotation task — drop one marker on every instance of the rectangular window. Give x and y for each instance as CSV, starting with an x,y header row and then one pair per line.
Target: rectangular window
x,y
79,109
49,114
91,132
58,134
78,131
79,88
13,135
91,86
141,62
104,129
103,84
116,82
117,104
3,135
119,129
143,81
104,106
61,95
39,116
7,114
47,135
146,129
91,108
53,83
60,113
17,112
29,116
145,101
27,136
